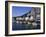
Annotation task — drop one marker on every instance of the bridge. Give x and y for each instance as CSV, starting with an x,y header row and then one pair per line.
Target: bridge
x,y
29,18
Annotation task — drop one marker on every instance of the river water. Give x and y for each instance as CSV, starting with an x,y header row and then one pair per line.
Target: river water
x,y
23,26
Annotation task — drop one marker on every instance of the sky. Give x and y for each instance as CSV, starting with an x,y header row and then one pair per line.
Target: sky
x,y
19,11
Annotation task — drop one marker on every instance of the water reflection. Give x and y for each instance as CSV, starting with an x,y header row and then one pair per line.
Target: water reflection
x,y
18,26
